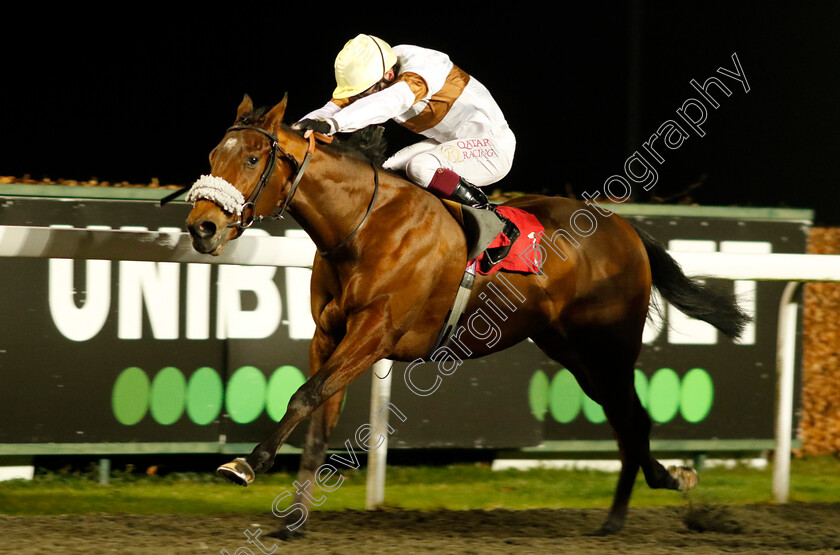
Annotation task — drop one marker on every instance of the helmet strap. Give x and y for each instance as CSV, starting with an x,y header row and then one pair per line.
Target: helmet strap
x,y
381,56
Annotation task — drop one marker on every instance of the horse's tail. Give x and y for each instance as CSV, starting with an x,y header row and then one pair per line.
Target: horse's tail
x,y
693,298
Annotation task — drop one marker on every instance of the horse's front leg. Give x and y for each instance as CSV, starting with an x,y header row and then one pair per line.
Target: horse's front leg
x,y
370,337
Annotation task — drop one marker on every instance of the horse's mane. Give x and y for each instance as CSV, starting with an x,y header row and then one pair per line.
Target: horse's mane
x,y
367,144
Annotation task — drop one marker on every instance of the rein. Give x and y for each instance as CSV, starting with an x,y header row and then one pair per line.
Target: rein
x,y
346,240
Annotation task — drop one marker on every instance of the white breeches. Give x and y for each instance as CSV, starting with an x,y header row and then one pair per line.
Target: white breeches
x,y
479,161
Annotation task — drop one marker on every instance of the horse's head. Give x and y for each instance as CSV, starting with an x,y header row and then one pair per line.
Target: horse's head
x,y
249,175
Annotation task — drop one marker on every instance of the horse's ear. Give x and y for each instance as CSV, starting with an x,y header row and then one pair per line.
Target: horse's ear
x,y
275,116
245,107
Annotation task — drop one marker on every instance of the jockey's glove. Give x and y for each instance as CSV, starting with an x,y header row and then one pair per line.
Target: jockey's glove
x,y
316,125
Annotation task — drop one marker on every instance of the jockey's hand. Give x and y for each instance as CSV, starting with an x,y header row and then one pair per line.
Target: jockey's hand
x,y
316,125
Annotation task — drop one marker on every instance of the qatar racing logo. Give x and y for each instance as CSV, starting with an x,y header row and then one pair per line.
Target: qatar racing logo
x,y
451,153
467,149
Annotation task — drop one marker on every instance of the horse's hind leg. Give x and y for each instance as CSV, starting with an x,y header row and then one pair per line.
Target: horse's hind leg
x,y
631,424
611,375
558,348
321,423
602,361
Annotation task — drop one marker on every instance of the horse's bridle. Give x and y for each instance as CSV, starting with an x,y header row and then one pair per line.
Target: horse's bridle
x,y
246,221
248,212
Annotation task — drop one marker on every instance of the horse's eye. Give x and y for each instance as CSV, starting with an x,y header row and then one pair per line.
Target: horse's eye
x,y
251,161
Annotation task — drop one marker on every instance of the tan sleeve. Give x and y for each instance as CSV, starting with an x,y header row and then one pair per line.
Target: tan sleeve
x,y
416,83
440,103
341,102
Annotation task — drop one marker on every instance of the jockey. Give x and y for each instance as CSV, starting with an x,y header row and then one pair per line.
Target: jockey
x,y
468,143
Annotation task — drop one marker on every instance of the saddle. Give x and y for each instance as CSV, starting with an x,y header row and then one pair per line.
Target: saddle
x,y
487,235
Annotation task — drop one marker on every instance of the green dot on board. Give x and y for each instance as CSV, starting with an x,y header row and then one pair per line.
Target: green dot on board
x,y
130,396
538,394
205,395
664,395
565,397
245,398
281,386
592,410
167,396
697,395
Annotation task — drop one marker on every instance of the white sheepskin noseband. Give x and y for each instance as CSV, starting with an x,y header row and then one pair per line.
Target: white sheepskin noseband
x,y
217,190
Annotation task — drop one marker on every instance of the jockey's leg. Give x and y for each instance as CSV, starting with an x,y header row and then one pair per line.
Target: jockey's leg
x,y
449,185
478,167
476,162
457,170
399,160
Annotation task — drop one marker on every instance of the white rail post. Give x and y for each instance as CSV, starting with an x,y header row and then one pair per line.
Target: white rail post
x,y
380,395
785,363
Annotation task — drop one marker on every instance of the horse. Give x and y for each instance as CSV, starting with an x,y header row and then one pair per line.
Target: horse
x,y
390,257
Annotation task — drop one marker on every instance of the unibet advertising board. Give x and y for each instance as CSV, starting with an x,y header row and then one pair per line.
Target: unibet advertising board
x,y
130,356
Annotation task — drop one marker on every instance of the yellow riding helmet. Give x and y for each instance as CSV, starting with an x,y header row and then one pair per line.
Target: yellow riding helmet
x,y
361,63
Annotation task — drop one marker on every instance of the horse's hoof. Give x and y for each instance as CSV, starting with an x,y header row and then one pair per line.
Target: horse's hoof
x,y
239,472
287,535
687,478
609,528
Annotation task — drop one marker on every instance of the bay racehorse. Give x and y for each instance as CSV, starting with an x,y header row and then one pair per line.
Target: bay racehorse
x,y
390,260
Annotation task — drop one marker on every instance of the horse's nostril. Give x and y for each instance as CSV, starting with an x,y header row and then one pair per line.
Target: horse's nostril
x,y
208,227
204,230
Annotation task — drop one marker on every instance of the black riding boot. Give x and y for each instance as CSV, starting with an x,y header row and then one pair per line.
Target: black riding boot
x,y
471,195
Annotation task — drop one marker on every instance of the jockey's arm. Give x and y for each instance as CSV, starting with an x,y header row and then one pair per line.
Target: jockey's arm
x,y
374,109
377,108
324,113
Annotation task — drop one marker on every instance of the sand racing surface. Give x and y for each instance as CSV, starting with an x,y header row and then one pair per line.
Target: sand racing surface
x,y
792,528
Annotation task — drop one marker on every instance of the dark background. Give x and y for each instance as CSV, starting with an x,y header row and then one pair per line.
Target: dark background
x,y
137,96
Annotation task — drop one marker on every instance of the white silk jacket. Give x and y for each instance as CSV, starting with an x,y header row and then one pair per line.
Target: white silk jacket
x,y
430,96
